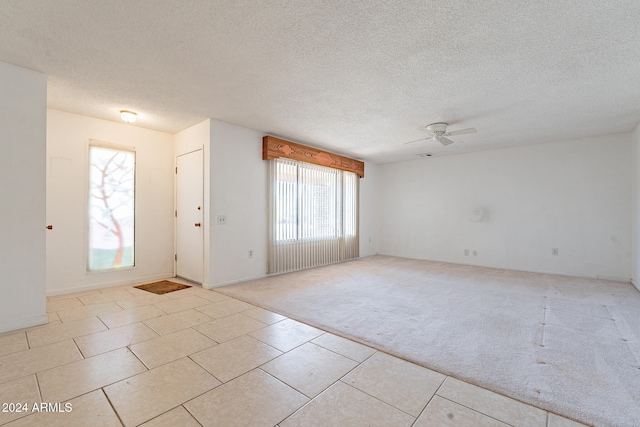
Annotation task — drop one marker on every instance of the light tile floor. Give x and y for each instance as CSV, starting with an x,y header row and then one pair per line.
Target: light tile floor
x,y
122,356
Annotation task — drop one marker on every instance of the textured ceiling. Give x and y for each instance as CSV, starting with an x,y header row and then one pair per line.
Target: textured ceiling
x,y
355,77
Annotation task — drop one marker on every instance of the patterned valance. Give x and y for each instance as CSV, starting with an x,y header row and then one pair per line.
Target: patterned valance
x,y
273,148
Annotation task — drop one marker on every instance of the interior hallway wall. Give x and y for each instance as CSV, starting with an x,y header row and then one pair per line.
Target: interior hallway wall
x,y
513,206
68,138
238,192
369,212
23,98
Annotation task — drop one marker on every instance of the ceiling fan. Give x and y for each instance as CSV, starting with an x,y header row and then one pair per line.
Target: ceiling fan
x,y
438,132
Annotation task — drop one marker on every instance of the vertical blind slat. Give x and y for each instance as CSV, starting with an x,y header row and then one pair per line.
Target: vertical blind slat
x,y
313,215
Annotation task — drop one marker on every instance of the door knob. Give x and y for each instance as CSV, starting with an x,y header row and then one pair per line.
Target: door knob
x,y
197,224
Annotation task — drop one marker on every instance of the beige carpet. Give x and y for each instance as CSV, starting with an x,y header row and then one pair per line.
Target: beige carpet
x,y
568,345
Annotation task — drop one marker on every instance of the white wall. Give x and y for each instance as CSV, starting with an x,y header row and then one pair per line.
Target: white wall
x,y
369,210
68,138
23,96
239,191
191,139
573,195
236,187
635,200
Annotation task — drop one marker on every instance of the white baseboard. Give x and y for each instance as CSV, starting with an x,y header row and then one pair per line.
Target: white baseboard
x,y
92,286
24,323
556,273
633,282
232,282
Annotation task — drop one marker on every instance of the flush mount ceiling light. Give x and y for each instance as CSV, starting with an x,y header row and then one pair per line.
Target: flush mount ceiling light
x,y
128,116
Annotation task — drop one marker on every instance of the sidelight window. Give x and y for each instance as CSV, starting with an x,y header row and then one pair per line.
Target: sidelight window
x,y
111,208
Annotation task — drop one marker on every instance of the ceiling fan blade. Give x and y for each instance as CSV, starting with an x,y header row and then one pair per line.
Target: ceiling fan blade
x,y
461,132
444,141
411,142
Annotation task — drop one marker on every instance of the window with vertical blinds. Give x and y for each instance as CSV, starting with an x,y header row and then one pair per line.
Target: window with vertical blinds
x,y
313,215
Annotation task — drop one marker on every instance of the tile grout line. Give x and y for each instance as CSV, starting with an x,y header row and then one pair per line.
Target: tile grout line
x,y
323,390
238,336
345,383
26,335
206,336
356,388
480,412
97,355
78,347
493,392
442,384
261,342
111,404
339,354
270,345
376,398
128,289
116,303
218,379
141,361
431,399
105,325
189,412
38,385
282,381
311,399
204,392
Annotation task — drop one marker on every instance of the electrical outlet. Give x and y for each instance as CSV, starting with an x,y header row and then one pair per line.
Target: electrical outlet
x,y
222,220
555,251
466,252
475,253
250,253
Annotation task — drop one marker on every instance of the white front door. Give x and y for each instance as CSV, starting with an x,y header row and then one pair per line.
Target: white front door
x,y
190,216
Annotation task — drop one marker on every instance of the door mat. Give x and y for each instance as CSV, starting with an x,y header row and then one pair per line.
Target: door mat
x,y
163,287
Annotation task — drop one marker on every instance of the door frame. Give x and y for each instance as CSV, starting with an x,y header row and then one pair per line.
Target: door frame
x,y
205,219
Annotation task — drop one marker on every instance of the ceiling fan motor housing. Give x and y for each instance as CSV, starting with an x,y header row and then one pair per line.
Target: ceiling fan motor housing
x,y
438,129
